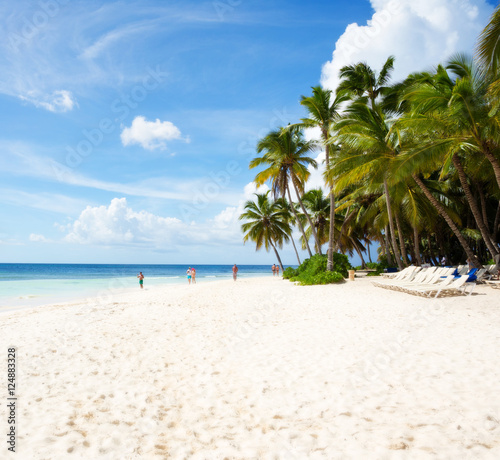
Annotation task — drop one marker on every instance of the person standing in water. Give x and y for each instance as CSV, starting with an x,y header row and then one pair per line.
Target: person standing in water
x,y
193,275
188,273
141,280
277,270
273,268
235,272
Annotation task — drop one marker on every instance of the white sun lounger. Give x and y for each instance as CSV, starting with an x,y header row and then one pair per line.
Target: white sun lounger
x,y
456,287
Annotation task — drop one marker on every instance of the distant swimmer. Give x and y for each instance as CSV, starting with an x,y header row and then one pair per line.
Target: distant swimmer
x,y
277,270
188,273
193,275
141,279
235,272
273,268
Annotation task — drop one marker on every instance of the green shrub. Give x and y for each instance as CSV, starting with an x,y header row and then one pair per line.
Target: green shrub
x,y
313,270
290,272
320,278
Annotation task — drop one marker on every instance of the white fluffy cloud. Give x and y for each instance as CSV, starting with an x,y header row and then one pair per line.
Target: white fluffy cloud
x,y
58,101
420,34
150,135
118,224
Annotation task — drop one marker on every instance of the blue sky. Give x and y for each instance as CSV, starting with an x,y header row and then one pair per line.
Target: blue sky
x,y
128,126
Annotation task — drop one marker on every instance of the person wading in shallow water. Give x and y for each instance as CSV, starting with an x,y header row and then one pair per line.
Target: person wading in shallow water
x,y
235,272
273,268
141,279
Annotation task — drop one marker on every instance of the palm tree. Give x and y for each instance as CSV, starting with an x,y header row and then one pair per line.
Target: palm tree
x,y
292,222
361,81
367,152
267,223
319,210
488,47
453,124
285,155
323,113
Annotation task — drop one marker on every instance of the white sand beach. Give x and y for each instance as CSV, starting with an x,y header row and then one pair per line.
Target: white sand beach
x,y
258,369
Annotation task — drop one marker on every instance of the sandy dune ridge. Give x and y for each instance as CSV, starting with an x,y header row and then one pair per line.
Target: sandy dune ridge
x,y
258,369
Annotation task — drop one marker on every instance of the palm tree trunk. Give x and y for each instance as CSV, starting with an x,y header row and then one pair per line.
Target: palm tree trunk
x,y
308,217
347,218
363,263
368,244
494,162
483,207
298,221
416,244
474,207
401,239
391,225
386,245
295,248
277,255
331,233
331,230
496,225
449,221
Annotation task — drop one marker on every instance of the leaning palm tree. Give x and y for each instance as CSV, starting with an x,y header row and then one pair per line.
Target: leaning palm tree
x,y
284,152
323,113
267,223
451,119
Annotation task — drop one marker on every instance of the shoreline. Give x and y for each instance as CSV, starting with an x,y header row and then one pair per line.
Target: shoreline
x,y
110,286
259,368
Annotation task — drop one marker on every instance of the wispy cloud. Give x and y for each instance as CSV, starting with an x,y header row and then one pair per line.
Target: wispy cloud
x,y
23,162
58,101
116,37
52,202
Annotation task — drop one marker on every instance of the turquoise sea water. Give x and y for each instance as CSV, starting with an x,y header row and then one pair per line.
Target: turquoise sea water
x,y
24,285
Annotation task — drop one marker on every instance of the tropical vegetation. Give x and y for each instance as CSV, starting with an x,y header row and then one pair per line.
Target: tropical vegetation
x,y
411,166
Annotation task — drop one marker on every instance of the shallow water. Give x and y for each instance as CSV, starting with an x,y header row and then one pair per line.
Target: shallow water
x,y
29,285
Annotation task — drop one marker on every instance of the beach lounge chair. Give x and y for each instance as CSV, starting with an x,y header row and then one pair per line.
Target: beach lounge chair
x,y
426,289
481,275
392,284
456,287
402,275
398,275
493,284
429,280
422,276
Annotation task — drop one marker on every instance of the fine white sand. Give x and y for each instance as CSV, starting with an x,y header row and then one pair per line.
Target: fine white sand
x,y
258,369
